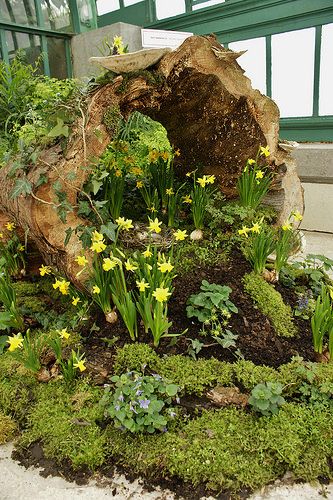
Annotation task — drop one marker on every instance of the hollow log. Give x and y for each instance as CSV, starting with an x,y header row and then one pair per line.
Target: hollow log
x,y
211,113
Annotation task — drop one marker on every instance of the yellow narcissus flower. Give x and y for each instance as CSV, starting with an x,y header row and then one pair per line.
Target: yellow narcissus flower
x,y
124,223
142,285
80,364
81,260
177,152
64,333
43,270
117,41
109,264
98,246
118,173
202,181
264,151
287,226
152,209
165,155
147,253
96,289
170,191
250,161
96,236
259,174
63,287
56,284
244,231
153,156
154,225
165,267
75,300
297,216
1,235
187,199
180,235
21,248
161,294
129,266
139,184
15,342
10,226
256,228
210,179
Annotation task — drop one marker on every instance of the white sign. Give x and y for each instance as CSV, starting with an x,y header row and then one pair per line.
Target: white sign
x,y
152,39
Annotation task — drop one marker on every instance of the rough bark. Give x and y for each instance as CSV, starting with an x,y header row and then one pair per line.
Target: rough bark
x,y
211,113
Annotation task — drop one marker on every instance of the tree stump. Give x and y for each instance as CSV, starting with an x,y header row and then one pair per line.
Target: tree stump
x,y
211,113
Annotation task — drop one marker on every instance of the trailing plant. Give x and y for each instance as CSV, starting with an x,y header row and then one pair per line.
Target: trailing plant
x,y
254,182
266,398
305,305
140,403
270,303
12,252
314,267
212,300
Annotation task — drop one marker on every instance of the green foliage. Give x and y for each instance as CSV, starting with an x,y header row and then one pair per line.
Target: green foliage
x,y
314,269
139,402
253,184
270,303
30,351
135,357
194,254
322,321
266,398
201,194
259,245
213,299
11,316
8,428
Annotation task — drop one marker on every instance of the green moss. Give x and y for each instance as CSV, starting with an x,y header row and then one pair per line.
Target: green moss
x,y
64,420
7,428
248,375
135,357
270,303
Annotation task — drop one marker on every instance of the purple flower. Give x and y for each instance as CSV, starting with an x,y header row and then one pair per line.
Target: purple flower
x,y
117,407
172,413
132,408
144,403
164,429
121,397
139,392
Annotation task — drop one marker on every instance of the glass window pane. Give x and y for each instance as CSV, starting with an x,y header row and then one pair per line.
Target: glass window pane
x,y
56,14
57,57
105,6
292,72
131,2
326,71
30,44
253,61
169,9
18,11
207,4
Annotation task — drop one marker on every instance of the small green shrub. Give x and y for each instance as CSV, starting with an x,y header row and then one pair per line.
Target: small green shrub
x,y
139,402
266,398
270,303
213,299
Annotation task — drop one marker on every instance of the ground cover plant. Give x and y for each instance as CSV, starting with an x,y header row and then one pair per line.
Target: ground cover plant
x,y
187,348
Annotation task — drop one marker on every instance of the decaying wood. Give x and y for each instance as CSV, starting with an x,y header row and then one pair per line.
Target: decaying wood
x,y
211,113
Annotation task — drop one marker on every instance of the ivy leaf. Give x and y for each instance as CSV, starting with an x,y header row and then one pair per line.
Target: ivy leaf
x,y
96,185
84,208
41,180
21,187
59,129
109,230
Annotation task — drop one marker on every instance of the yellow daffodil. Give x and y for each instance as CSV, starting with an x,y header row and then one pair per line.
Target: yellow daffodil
x,y
64,333
210,179
21,248
81,260
188,174
10,226
75,300
153,156
177,152
1,235
250,161
154,225
264,151
142,285
64,287
80,364
15,342
117,41
161,294
139,184
180,235
165,155
109,264
96,236
330,289
259,174
118,173
43,270
124,223
287,226
98,246
56,284
165,267
129,266
244,231
187,199
297,216
147,253
136,171
152,209
96,289
256,228
170,191
202,181
149,267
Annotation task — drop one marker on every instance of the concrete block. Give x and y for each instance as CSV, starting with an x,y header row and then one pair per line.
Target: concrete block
x,y
314,162
318,200
85,45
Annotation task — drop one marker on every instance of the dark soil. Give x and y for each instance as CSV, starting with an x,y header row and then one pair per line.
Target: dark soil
x,y
257,339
